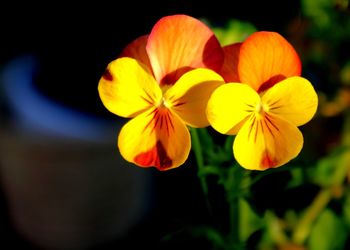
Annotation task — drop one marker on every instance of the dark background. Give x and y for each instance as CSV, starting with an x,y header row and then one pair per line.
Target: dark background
x,y
74,42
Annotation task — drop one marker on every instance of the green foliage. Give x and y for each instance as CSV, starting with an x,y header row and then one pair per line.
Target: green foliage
x,y
249,221
328,233
330,19
212,235
233,31
327,166
345,74
346,209
321,218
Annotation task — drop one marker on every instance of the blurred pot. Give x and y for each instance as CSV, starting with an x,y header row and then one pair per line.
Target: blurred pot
x,y
66,184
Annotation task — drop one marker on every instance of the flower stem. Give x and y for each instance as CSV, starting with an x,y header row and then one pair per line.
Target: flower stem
x,y
231,181
198,153
234,221
197,149
304,225
232,186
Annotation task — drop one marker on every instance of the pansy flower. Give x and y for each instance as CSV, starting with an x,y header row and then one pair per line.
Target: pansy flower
x,y
163,82
264,101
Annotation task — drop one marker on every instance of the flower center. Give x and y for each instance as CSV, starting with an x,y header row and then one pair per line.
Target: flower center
x,y
260,110
163,103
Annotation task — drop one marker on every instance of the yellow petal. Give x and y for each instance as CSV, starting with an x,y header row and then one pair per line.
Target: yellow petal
x,y
189,96
155,138
127,87
266,143
229,105
294,99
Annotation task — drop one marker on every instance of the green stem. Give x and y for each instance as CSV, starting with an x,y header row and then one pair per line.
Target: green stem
x,y
198,153
197,149
233,183
234,221
304,225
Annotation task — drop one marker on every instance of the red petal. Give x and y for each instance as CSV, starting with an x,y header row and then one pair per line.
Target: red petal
x,y
137,50
229,69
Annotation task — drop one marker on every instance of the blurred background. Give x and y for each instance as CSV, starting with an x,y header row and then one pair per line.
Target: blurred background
x,y
63,182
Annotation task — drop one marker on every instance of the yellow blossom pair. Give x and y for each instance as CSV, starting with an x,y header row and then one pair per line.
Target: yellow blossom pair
x,y
175,77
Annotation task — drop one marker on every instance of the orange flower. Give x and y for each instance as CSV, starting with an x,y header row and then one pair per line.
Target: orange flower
x,y
163,82
264,102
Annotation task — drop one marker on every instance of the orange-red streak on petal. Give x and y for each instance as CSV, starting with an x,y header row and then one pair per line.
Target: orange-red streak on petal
x,y
267,161
157,156
270,82
107,75
148,99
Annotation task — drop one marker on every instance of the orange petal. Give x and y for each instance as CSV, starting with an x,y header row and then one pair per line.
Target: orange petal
x,y
128,88
137,50
266,58
179,43
229,69
155,138
267,142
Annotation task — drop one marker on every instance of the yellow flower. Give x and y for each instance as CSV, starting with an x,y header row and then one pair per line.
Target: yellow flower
x,y
265,101
163,82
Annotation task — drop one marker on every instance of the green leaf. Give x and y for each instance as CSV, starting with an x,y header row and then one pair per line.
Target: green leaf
x,y
326,167
318,10
329,232
210,234
345,74
249,221
346,209
210,170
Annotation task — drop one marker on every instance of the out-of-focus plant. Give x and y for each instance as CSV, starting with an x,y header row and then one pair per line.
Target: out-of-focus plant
x,y
232,31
